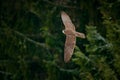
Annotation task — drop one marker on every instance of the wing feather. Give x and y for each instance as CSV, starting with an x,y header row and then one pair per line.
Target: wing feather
x,y
69,47
67,21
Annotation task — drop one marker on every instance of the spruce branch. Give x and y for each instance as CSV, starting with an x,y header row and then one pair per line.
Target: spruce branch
x,y
56,4
30,40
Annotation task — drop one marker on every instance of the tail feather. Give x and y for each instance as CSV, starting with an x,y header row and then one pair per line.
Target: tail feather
x,y
81,35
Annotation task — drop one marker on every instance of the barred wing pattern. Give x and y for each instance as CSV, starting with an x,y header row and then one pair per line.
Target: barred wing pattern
x,y
67,21
69,47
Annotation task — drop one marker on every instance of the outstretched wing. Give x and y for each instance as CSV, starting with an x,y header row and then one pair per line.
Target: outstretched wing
x,y
69,47
67,21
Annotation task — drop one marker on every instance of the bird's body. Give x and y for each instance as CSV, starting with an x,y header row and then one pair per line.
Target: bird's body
x,y
71,35
69,32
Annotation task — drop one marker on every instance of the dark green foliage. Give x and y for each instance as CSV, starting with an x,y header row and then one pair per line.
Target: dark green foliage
x,y
32,42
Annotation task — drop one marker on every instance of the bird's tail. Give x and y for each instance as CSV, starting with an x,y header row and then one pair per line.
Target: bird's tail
x,y
81,35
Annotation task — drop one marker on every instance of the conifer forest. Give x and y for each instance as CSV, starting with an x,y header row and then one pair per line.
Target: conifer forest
x,y
32,42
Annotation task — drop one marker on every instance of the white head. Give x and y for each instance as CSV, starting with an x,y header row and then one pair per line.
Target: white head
x,y
63,31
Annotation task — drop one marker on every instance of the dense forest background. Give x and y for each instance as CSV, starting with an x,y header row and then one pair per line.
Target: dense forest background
x,y
32,42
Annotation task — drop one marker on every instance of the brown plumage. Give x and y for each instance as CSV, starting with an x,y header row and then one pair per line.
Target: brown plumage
x,y
71,35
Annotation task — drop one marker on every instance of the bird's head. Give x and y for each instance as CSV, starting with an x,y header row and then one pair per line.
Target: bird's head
x,y
63,31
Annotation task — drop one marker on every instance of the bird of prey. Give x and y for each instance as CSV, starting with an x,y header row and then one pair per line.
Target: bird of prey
x,y
71,35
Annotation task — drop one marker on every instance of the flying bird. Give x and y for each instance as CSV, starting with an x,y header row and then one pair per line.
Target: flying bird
x,y
71,35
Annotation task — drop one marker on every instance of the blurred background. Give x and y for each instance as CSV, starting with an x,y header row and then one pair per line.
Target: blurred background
x,y
32,42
